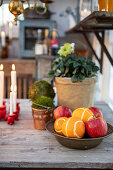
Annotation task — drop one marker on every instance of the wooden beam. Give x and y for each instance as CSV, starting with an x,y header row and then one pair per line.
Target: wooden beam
x,y
98,20
104,47
102,52
90,45
78,11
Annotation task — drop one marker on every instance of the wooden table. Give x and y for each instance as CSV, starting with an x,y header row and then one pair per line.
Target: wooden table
x,y
23,146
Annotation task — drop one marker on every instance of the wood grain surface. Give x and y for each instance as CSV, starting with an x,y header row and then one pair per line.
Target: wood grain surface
x,y
21,146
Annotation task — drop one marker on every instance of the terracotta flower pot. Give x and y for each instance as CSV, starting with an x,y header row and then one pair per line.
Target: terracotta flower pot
x,y
75,95
41,117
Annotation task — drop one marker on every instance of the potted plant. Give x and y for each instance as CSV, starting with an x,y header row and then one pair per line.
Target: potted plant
x,y
41,93
37,13
74,77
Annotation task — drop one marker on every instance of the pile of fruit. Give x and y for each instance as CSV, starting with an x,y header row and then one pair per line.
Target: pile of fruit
x,y
80,122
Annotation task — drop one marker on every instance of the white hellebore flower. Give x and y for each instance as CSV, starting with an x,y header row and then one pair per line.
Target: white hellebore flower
x,y
72,47
58,71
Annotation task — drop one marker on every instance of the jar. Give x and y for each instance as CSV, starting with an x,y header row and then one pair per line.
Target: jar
x,y
103,5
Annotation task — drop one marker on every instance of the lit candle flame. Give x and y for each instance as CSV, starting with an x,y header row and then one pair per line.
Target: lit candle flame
x,y
85,10
10,25
11,88
13,67
1,67
3,34
89,12
15,88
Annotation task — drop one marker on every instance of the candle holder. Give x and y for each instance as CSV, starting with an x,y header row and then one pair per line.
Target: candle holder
x,y
16,114
18,107
10,119
3,112
4,103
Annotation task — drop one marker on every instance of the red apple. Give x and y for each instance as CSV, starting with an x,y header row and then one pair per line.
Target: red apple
x,y
96,127
62,111
96,111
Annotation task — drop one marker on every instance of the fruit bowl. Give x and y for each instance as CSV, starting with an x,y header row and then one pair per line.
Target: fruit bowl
x,y
75,143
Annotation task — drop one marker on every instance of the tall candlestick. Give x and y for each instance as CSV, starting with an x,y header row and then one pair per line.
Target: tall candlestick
x,y
3,38
11,103
1,85
13,76
14,99
10,30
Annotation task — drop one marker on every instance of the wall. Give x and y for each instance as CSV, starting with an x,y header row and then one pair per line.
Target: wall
x,y
63,22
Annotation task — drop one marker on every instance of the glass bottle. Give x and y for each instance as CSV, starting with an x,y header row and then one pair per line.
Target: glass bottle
x,y
54,44
103,5
110,5
39,45
54,40
46,42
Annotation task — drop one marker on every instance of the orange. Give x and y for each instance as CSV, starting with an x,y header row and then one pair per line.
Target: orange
x,y
58,124
83,114
73,127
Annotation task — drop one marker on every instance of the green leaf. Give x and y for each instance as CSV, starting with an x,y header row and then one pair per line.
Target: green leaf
x,y
74,72
66,64
81,78
51,72
52,77
74,78
76,64
66,70
95,69
82,70
82,58
88,67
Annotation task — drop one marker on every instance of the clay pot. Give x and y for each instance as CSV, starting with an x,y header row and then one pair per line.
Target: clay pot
x,y
75,95
41,117
82,52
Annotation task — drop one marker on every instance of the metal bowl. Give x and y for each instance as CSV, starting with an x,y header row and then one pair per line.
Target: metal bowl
x,y
81,144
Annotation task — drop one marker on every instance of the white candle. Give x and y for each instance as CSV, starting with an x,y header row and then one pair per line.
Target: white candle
x,y
1,85
55,98
13,76
10,30
3,38
85,13
11,103
14,99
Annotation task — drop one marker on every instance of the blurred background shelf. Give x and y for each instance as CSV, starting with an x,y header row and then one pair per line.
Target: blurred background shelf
x,y
28,35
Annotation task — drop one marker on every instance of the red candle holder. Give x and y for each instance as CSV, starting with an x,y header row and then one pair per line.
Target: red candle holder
x,y
18,107
10,119
3,112
4,102
16,114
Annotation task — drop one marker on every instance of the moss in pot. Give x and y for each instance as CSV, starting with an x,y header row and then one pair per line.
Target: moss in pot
x,y
41,88
75,78
46,102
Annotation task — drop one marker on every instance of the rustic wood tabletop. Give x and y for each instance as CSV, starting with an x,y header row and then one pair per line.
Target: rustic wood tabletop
x,y
22,146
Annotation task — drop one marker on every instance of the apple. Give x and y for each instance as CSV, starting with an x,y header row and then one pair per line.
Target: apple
x,y
96,127
96,111
62,111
